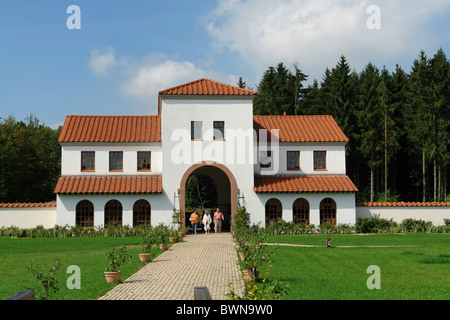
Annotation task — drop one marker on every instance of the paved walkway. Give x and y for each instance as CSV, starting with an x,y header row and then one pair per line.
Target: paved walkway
x,y
200,260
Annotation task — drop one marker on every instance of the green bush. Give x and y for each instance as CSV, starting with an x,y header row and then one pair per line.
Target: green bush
x,y
374,225
414,225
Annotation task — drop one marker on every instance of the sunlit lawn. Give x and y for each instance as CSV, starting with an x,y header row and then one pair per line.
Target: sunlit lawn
x,y
412,266
87,253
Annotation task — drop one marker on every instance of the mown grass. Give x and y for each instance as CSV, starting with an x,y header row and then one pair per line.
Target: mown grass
x,y
87,253
413,266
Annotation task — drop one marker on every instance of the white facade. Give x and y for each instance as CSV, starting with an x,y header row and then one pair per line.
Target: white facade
x,y
71,158
233,163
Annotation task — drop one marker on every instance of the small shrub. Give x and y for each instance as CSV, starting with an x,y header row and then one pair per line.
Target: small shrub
x,y
117,257
47,278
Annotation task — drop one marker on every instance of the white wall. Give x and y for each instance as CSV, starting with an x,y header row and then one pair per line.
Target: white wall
x,y
161,208
28,217
180,153
335,158
345,206
434,214
71,158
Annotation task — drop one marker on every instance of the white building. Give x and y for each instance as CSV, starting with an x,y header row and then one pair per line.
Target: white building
x,y
133,169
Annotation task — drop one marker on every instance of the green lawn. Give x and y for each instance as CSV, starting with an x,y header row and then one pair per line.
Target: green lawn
x,y
417,266
87,253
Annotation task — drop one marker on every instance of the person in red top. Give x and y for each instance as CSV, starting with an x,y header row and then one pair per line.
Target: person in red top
x,y
218,218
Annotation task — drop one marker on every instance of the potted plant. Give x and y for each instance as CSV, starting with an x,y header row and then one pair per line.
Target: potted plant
x,y
147,243
162,240
182,231
117,257
173,236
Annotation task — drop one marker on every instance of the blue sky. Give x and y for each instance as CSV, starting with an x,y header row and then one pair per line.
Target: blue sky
x,y
126,51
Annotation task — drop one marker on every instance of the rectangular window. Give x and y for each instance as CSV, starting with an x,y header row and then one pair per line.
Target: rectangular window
x,y
196,130
87,160
265,159
320,160
143,160
293,160
219,130
115,161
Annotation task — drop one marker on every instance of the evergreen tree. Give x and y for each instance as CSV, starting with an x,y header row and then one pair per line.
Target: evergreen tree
x,y
440,108
241,83
419,113
279,91
369,116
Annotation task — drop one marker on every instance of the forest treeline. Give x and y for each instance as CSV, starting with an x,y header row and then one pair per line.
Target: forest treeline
x,y
30,160
397,122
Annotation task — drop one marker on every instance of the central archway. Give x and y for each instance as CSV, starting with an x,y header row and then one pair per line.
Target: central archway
x,y
216,171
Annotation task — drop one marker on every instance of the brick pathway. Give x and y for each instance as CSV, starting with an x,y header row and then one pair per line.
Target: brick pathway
x,y
201,260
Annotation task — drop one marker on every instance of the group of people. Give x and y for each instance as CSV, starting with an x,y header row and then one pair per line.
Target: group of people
x,y
206,221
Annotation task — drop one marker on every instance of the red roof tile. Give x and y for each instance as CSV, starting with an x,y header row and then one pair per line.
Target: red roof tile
x,y
28,205
109,184
207,87
312,183
111,129
314,128
403,204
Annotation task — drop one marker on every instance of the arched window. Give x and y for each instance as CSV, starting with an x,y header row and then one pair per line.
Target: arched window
x,y
84,214
328,211
141,212
273,210
113,212
300,211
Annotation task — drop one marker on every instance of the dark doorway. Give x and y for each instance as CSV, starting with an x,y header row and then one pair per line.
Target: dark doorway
x,y
208,187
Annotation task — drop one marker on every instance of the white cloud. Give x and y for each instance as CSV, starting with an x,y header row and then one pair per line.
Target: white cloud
x,y
316,33
103,63
149,77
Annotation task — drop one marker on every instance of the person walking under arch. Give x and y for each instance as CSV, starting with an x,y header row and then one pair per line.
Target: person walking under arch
x,y
218,218
194,218
207,221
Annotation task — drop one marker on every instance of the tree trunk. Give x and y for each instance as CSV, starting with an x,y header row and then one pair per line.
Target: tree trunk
x,y
423,177
434,178
371,184
385,158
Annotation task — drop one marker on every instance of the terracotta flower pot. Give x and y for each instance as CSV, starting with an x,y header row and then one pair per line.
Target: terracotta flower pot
x,y
241,254
173,239
112,276
181,234
249,276
163,246
144,256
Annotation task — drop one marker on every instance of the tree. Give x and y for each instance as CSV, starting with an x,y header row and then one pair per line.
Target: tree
x,y
279,91
30,161
369,115
241,83
420,115
440,108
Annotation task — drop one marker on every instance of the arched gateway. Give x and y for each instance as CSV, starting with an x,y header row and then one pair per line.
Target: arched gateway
x,y
226,185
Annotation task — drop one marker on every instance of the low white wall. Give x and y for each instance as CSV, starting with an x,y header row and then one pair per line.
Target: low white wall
x,y
28,217
430,213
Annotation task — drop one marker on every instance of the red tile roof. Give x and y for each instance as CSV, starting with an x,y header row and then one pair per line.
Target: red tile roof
x,y
311,183
111,129
302,128
403,204
207,87
109,184
28,205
